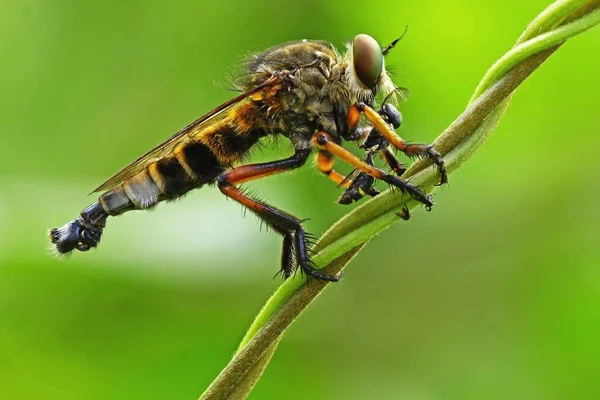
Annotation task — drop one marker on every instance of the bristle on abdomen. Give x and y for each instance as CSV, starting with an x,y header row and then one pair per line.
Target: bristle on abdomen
x,y
82,233
65,239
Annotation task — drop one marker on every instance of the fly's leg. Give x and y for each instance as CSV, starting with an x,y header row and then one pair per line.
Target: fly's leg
x,y
391,160
325,165
287,255
405,213
285,224
295,243
412,149
361,185
323,141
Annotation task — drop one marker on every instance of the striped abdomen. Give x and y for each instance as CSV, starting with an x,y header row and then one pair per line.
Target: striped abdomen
x,y
191,165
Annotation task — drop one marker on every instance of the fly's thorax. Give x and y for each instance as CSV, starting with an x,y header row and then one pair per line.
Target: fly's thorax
x,y
320,83
289,57
308,65
313,87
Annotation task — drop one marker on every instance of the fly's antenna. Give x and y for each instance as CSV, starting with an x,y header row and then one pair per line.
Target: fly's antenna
x,y
393,44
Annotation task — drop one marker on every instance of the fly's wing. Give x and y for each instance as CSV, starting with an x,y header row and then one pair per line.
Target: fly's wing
x,y
170,144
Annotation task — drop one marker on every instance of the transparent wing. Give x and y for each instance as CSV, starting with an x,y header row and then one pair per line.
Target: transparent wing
x,y
183,135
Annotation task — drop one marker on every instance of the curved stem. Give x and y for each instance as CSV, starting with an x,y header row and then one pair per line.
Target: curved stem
x,y
535,45
334,250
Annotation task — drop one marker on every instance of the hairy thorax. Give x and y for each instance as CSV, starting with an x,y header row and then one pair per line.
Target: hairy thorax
x,y
313,94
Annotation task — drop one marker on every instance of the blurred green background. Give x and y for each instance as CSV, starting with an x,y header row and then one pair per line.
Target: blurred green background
x,y
493,295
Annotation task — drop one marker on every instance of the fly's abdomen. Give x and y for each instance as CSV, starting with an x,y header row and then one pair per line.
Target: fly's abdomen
x,y
141,191
190,165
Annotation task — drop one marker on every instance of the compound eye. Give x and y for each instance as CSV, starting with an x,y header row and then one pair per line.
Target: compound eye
x,y
367,60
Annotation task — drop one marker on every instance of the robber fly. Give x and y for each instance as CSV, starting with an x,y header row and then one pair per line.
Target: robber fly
x,y
305,91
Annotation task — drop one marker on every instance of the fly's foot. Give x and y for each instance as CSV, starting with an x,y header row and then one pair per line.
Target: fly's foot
x,y
428,152
305,263
412,190
437,159
405,213
361,185
309,269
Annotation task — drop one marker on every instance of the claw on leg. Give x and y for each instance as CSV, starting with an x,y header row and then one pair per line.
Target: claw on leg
x,y
421,150
295,249
411,150
323,141
404,213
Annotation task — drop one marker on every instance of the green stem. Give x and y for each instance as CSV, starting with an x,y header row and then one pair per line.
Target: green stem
x,y
334,250
532,46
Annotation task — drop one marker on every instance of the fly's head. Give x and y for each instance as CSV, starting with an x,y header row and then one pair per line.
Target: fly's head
x,y
365,68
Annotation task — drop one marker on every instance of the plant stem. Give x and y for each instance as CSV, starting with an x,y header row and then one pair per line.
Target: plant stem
x,y
334,250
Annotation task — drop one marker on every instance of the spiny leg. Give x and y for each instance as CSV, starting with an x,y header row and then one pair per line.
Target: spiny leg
x,y
391,160
281,222
323,141
287,255
411,150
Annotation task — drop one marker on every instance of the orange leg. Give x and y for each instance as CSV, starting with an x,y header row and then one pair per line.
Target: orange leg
x,y
325,165
354,187
323,141
411,150
295,241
